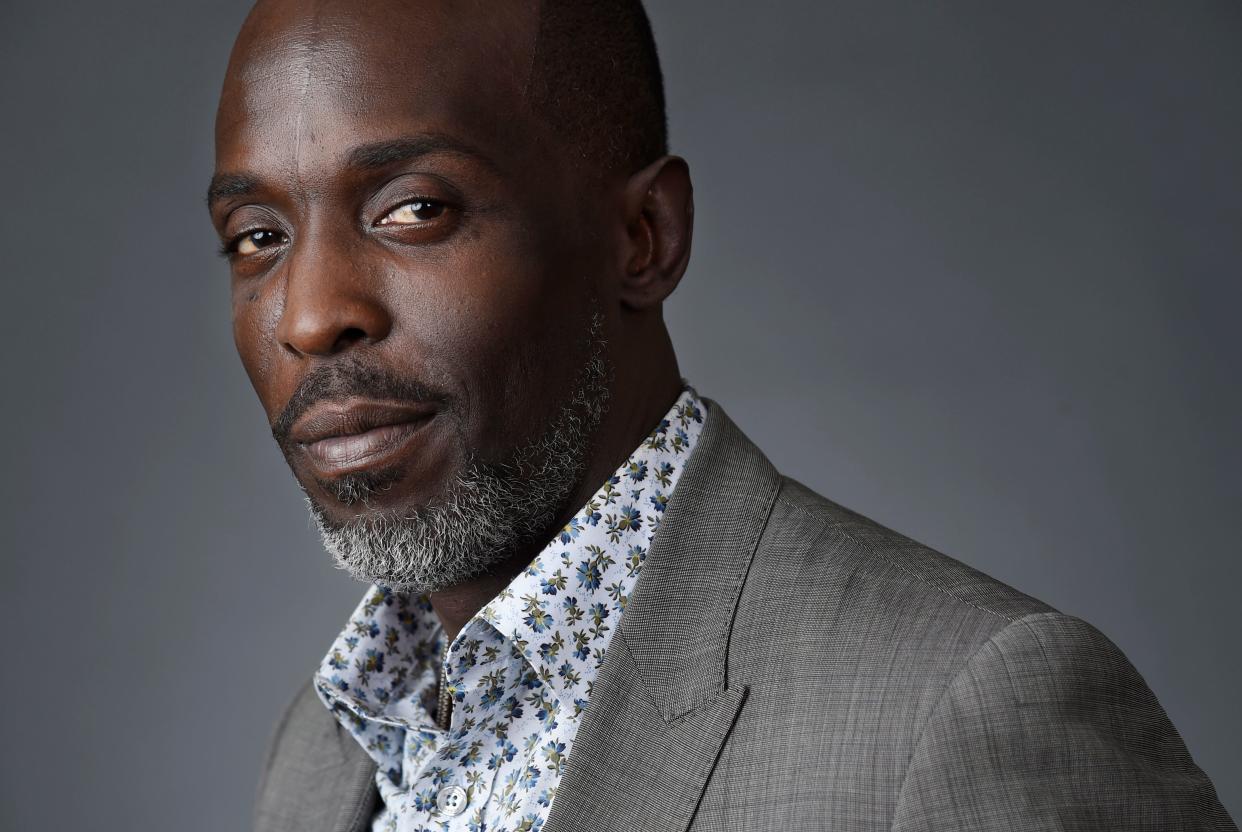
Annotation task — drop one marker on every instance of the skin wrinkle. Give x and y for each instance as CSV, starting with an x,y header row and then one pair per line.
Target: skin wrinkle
x,y
311,49
527,85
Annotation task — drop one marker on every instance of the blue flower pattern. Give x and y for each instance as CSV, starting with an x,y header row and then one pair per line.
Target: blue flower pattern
x,y
520,672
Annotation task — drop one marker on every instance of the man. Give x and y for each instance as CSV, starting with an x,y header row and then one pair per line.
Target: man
x,y
451,227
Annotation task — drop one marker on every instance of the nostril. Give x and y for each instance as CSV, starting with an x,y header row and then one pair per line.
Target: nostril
x,y
349,337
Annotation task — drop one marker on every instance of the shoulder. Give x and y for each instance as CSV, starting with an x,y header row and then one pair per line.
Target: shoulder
x,y
823,583
900,658
876,668
1051,709
850,593
832,546
828,593
309,733
314,770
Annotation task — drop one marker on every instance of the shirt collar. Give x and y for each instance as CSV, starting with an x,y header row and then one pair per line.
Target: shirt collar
x,y
568,602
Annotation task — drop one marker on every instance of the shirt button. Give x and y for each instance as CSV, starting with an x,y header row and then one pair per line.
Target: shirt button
x,y
451,800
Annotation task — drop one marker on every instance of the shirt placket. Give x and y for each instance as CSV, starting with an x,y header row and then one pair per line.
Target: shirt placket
x,y
458,795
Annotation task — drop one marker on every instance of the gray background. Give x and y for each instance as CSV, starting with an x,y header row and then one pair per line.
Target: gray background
x,y
969,268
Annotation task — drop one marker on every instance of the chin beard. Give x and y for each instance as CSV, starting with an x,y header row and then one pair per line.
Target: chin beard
x,y
488,512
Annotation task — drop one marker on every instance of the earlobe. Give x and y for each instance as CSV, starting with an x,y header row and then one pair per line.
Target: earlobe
x,y
659,206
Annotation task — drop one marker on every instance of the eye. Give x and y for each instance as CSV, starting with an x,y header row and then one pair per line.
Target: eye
x,y
254,241
414,212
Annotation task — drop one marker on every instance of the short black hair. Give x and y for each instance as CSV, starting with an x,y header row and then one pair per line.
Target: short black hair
x,y
595,77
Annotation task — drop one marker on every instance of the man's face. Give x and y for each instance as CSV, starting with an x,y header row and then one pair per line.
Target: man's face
x,y
414,271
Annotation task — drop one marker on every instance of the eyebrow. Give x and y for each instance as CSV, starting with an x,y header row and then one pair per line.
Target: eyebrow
x,y
230,184
366,157
382,154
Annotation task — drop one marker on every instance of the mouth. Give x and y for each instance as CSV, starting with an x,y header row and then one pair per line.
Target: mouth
x,y
341,438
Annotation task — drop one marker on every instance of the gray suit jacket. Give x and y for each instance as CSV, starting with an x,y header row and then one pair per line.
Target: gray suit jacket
x,y
786,664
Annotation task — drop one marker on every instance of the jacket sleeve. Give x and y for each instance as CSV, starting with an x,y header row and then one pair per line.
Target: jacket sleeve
x,y
1049,727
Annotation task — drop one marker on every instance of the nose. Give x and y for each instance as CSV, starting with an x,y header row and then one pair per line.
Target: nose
x,y
329,304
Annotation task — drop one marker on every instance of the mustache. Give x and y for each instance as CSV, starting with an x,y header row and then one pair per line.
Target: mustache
x,y
347,378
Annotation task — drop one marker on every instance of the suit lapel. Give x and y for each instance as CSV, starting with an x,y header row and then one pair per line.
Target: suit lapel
x,y
661,707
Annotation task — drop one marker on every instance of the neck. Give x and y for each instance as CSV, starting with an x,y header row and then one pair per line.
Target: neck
x,y
639,402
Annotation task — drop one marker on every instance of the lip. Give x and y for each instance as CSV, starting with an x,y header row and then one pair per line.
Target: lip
x,y
345,437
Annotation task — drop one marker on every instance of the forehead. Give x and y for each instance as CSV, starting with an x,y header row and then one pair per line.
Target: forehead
x,y
308,80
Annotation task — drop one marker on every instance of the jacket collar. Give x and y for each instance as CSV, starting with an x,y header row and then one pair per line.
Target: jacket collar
x,y
677,625
661,707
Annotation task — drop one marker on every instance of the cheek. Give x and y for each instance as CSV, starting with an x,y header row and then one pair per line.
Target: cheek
x,y
533,354
480,298
255,315
500,323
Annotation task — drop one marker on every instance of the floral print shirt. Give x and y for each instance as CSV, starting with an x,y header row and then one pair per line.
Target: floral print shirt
x,y
519,672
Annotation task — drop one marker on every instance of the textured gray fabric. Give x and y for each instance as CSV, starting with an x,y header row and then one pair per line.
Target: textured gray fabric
x,y
317,777
785,663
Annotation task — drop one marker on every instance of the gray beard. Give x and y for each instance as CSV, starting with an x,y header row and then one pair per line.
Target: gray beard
x,y
489,511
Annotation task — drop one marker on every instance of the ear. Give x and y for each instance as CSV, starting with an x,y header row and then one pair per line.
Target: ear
x,y
659,221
